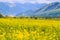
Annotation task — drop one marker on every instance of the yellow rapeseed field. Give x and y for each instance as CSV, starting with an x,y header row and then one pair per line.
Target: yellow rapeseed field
x,y
29,29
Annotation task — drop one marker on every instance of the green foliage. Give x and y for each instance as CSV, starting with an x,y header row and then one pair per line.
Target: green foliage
x,y
1,16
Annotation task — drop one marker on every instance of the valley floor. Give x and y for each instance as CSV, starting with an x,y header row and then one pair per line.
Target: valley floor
x,y
29,29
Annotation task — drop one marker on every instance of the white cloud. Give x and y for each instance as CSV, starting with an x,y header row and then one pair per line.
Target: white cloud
x,y
11,4
29,1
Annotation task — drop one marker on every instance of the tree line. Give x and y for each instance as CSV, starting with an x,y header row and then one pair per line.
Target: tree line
x,y
26,17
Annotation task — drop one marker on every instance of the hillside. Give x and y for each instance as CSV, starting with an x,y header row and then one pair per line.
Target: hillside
x,y
52,13
51,10
47,10
51,6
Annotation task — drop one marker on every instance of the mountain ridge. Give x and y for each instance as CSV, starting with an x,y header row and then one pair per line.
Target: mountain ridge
x,y
13,9
45,8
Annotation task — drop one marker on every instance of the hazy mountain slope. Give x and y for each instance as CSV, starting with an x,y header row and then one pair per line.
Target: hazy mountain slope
x,y
46,9
51,6
16,8
50,10
31,11
52,13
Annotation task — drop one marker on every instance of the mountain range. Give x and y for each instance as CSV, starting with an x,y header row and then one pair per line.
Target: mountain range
x,y
16,8
49,10
28,9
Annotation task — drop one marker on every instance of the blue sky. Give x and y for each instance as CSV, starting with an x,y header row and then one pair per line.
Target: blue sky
x,y
29,1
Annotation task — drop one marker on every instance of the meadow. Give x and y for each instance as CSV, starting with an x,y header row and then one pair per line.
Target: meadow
x,y
29,29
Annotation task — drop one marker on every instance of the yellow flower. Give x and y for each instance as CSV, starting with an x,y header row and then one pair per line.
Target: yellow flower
x,y
26,34
19,34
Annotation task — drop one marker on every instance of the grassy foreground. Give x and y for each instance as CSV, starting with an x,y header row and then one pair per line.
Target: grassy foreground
x,y
29,29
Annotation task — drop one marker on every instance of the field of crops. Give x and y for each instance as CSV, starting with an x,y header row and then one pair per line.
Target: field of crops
x,y
29,29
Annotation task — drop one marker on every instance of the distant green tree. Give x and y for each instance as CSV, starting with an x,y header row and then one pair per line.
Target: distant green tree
x,y
1,15
6,16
